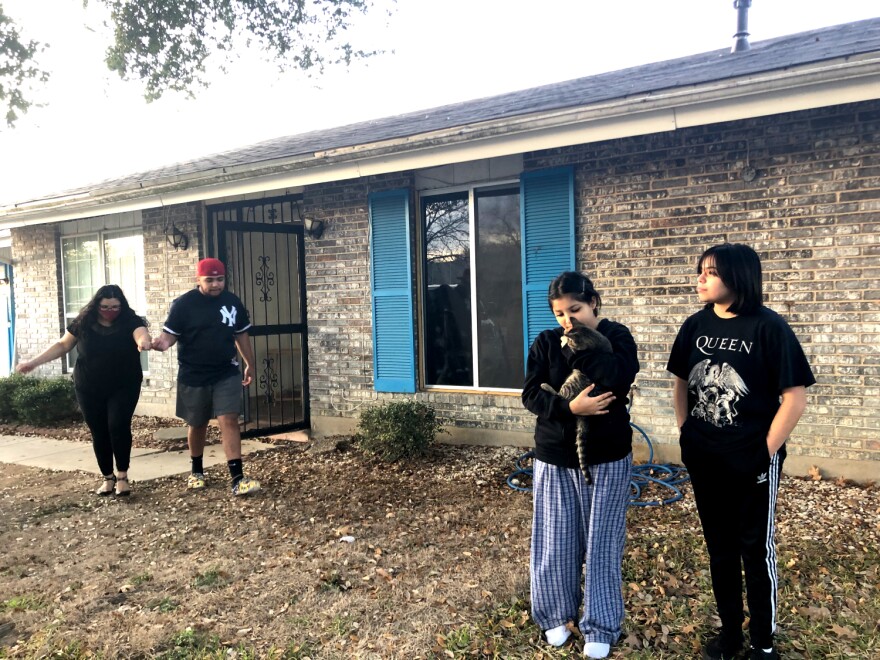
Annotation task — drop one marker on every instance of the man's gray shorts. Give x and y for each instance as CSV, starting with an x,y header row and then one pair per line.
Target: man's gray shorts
x,y
198,405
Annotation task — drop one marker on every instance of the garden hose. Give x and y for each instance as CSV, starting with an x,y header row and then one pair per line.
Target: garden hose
x,y
665,475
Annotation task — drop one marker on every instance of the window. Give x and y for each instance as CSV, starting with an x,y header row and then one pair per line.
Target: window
x,y
488,254
473,281
92,260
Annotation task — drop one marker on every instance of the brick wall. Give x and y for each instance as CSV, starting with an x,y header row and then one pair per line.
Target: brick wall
x,y
338,295
37,291
339,313
169,273
647,207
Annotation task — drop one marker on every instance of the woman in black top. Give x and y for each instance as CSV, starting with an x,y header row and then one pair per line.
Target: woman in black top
x,y
107,377
740,388
576,521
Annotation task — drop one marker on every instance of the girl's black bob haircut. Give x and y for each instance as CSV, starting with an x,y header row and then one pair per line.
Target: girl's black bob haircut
x,y
576,285
739,267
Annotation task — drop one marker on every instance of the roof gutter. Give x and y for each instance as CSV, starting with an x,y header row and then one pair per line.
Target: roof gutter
x,y
843,80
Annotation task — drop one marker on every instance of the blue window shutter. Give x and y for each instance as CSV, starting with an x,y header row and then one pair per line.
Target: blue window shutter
x,y
547,217
391,277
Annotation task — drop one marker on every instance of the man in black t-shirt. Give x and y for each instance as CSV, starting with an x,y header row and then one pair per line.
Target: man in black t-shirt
x,y
209,325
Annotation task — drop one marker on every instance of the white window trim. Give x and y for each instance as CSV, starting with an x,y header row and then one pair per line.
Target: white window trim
x,y
100,235
470,188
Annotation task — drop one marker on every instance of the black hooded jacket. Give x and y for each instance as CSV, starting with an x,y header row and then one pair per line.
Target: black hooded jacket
x,y
610,435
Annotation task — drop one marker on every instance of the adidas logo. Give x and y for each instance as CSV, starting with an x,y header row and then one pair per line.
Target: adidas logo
x,y
762,478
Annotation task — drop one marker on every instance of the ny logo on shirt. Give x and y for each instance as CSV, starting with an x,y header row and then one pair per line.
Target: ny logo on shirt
x,y
228,316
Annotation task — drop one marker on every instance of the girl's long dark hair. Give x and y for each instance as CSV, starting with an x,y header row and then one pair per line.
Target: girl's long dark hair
x,y
89,313
577,285
739,267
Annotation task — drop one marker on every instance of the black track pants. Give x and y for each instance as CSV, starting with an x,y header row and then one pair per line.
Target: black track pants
x,y
737,511
108,415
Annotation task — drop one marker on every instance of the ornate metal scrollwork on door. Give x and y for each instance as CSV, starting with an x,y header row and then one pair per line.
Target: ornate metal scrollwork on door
x,y
269,381
265,278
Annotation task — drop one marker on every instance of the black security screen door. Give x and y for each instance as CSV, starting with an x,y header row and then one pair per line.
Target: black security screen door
x,y
261,243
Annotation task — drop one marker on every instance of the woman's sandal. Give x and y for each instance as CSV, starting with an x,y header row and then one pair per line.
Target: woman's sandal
x,y
106,493
120,492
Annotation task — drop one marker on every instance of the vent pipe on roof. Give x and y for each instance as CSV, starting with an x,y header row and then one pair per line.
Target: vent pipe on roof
x,y
741,38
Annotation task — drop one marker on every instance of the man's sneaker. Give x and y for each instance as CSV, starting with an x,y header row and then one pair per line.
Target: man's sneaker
x,y
723,647
195,481
245,486
760,654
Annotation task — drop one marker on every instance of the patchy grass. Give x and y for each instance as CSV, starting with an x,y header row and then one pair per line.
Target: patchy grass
x,y
345,557
211,579
163,605
23,603
141,578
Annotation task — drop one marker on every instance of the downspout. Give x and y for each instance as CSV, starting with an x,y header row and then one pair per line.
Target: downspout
x,y
741,38
8,312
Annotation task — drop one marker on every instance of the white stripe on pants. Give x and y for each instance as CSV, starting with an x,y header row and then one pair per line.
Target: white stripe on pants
x,y
574,522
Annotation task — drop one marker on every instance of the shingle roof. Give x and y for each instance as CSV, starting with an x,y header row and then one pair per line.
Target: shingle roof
x,y
840,41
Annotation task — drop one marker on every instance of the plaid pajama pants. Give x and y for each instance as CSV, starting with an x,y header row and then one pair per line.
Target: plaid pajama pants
x,y
576,524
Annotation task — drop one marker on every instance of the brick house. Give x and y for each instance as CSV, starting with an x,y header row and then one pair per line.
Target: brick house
x,y
409,256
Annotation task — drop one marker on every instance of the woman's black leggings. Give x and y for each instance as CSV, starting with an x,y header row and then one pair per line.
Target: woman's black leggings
x,y
108,414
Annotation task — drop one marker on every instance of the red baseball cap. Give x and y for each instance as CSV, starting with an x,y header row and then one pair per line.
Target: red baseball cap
x,y
210,267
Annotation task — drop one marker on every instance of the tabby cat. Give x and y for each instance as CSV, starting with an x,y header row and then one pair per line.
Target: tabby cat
x,y
580,338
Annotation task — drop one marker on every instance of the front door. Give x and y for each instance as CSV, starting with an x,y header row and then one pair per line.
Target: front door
x,y
264,255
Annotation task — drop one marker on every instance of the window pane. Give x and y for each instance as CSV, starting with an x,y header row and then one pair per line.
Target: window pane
x,y
499,289
124,265
448,349
81,268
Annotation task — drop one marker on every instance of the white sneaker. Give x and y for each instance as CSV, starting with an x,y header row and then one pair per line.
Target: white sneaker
x,y
596,650
557,636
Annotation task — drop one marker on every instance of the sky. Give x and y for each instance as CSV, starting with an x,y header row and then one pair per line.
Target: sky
x,y
92,126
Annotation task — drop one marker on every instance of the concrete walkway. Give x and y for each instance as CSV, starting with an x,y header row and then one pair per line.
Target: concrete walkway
x,y
146,464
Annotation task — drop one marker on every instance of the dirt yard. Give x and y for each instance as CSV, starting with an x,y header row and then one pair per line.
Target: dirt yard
x,y
345,557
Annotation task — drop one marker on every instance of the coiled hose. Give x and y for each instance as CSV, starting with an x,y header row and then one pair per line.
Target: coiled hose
x,y
664,475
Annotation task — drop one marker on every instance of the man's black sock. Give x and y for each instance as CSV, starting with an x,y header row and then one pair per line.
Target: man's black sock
x,y
197,465
236,470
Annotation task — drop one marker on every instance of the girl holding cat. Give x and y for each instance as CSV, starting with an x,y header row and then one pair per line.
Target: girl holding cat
x,y
575,521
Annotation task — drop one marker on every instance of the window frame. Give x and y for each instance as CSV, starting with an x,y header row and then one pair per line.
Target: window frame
x,y
101,236
471,188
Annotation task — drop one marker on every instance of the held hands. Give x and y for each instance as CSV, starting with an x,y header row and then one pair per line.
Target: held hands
x,y
144,343
160,344
584,404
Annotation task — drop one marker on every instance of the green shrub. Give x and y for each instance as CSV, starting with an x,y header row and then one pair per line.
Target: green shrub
x,y
43,400
398,429
8,386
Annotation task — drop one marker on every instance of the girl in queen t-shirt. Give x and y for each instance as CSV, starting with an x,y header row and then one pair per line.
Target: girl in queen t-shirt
x,y
740,389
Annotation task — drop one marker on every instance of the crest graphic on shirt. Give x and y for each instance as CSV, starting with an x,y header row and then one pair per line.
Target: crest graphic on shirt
x,y
718,389
228,316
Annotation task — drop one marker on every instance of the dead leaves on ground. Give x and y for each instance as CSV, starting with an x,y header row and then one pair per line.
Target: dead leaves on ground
x,y
346,557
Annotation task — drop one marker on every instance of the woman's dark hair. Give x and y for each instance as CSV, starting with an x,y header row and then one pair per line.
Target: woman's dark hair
x,y
739,267
577,285
89,313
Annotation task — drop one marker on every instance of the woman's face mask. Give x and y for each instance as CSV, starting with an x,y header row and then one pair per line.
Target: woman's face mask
x,y
109,309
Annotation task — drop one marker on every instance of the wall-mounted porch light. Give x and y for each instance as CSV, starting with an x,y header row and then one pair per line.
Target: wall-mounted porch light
x,y
314,228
